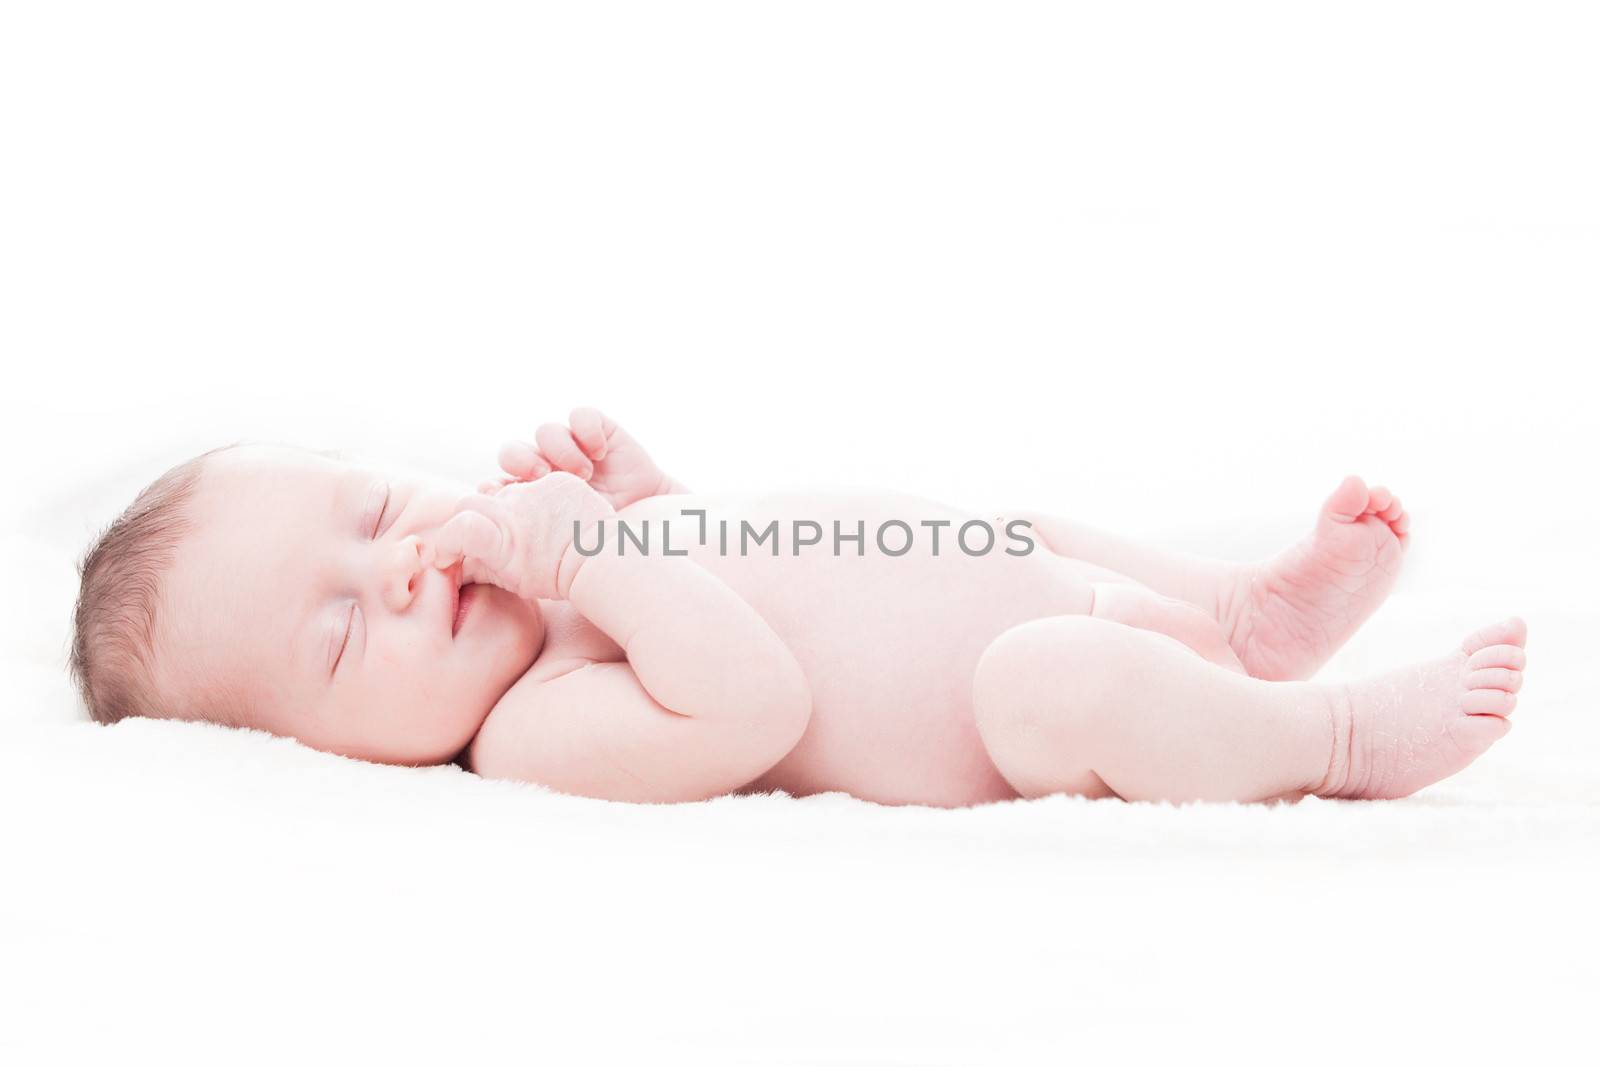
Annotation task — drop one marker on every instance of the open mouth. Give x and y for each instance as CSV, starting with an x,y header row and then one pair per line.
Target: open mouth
x,y
466,596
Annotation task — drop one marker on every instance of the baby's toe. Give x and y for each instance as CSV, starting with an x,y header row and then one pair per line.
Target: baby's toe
x,y
1495,678
1347,503
1379,499
1473,734
1488,702
1512,631
1511,656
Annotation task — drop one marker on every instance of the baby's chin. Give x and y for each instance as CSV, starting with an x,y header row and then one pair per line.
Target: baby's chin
x,y
508,630
499,639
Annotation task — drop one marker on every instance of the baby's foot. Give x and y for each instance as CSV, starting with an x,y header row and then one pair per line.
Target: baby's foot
x,y
1294,611
1399,732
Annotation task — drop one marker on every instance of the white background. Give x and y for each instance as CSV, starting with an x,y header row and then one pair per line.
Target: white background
x,y
1170,268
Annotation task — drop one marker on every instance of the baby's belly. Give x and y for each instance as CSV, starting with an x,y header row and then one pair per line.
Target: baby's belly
x,y
888,643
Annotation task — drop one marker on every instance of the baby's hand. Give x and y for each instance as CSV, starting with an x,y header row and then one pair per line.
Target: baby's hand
x,y
518,538
592,447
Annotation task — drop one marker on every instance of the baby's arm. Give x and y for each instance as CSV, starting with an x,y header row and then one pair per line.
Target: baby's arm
x,y
708,699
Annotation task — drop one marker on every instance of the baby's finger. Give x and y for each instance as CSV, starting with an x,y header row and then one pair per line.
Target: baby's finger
x,y
589,430
556,443
522,461
470,535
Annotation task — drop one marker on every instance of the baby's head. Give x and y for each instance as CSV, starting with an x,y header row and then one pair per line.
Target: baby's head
x,y
267,587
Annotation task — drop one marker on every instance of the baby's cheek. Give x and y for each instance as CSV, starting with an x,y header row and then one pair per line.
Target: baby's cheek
x,y
405,670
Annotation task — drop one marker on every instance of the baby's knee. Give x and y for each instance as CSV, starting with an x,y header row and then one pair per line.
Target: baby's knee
x,y
1049,664
1043,696
1051,637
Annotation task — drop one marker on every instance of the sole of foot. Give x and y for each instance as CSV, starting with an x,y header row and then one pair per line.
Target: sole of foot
x,y
1297,609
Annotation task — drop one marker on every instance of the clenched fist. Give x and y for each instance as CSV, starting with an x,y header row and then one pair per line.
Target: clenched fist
x,y
592,447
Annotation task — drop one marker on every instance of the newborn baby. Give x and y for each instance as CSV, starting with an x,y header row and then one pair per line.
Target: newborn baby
x,y
589,624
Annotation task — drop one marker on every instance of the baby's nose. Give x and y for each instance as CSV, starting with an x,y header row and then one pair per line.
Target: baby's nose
x,y
401,572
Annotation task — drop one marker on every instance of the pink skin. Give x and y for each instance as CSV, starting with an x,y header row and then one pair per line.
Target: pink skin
x,y
1097,666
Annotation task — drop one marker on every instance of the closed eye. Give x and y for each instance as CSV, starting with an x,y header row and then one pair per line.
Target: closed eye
x,y
344,641
377,524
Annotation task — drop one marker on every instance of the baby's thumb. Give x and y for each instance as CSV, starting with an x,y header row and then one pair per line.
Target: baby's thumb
x,y
469,535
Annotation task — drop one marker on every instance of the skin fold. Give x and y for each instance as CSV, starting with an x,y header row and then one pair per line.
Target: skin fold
x,y
397,619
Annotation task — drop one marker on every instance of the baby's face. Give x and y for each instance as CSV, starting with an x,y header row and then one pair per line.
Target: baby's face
x,y
298,596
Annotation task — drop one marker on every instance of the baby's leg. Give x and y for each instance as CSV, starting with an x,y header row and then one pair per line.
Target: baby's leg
x,y
1132,604
1285,616
1206,583
1080,705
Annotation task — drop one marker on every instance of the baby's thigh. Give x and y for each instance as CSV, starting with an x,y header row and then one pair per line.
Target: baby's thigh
x,y
1044,541
1133,605
1088,572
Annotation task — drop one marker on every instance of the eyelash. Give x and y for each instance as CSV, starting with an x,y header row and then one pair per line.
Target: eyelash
x,y
350,619
388,492
349,628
